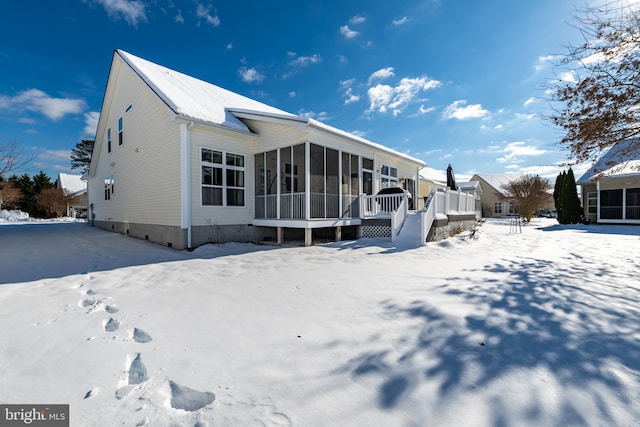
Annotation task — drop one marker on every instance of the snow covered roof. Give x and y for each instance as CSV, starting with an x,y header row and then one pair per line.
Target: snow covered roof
x,y
194,98
497,181
202,101
72,183
621,160
433,175
469,186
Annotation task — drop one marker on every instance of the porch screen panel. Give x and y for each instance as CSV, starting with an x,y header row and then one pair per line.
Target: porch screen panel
x,y
367,176
286,183
271,183
633,203
260,186
317,184
298,181
332,199
350,186
611,204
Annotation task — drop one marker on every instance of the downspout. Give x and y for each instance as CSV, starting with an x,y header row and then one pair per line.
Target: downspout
x,y
185,179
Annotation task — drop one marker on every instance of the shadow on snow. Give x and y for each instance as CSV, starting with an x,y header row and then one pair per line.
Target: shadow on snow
x,y
537,317
36,251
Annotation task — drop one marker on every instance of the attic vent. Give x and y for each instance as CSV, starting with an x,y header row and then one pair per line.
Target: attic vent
x,y
128,108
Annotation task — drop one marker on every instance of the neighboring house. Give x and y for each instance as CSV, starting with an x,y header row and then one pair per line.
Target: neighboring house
x,y
611,187
473,187
76,189
182,162
494,200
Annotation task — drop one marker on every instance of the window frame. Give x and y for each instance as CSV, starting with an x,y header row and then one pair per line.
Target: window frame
x,y
232,167
592,196
120,131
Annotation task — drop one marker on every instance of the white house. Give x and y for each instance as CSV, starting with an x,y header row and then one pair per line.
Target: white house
x,y
611,187
182,162
76,190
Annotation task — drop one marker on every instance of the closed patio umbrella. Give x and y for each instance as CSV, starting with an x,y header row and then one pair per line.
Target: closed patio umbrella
x,y
451,179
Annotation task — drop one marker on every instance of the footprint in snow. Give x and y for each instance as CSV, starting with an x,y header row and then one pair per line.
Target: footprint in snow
x,y
141,336
91,393
188,399
111,325
137,371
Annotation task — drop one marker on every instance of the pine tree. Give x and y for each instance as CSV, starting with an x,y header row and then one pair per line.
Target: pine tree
x,y
81,155
571,200
558,196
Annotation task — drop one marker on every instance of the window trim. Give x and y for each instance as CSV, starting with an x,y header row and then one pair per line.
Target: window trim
x,y
225,168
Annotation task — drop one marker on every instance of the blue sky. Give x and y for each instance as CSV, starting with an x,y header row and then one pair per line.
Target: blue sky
x,y
446,81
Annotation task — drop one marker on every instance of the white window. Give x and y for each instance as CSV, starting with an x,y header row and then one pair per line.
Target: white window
x,y
388,176
512,208
497,208
222,178
109,140
108,187
120,131
592,202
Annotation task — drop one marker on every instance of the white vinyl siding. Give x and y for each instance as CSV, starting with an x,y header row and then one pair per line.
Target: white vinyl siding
x,y
147,165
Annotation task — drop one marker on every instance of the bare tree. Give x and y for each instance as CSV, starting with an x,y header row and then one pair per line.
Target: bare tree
x,y
529,193
12,157
9,195
53,201
596,93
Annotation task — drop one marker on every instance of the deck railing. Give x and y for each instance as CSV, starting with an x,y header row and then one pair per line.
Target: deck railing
x,y
445,202
381,206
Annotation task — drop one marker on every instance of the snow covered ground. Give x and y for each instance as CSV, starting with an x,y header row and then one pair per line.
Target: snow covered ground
x,y
499,329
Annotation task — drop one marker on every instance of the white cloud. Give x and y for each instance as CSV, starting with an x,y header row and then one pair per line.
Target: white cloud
x,y
40,102
422,111
459,110
515,150
351,97
348,32
56,155
250,75
568,77
543,61
204,12
498,127
346,86
91,122
358,19
360,133
381,74
132,11
179,18
321,116
303,61
342,59
384,98
229,46
529,101
401,21
292,94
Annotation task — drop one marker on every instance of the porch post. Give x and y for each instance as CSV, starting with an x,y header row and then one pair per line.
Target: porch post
x,y
338,233
278,183
307,181
598,193
340,184
280,235
307,237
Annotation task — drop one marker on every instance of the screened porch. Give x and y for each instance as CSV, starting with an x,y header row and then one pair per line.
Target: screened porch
x,y
310,182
